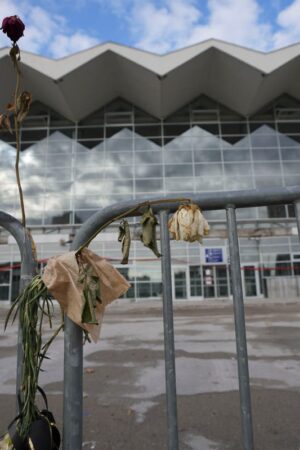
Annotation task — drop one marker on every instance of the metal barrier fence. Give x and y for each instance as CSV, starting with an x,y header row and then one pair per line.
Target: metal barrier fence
x,y
28,267
73,365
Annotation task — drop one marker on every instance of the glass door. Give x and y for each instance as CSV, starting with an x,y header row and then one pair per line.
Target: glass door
x,y
250,281
180,281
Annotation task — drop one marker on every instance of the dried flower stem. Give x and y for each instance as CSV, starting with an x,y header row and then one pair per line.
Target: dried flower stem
x,y
18,146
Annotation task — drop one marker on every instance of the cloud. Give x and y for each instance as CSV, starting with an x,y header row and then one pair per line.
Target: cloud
x,y
163,28
178,23
45,33
63,45
288,21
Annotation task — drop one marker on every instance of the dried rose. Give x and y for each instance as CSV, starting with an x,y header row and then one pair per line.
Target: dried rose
x,y
13,27
188,224
23,104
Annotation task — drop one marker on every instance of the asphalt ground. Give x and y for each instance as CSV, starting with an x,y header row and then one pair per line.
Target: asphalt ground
x,y
124,385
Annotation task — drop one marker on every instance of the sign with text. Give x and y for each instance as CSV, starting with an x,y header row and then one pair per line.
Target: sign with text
x,y
213,255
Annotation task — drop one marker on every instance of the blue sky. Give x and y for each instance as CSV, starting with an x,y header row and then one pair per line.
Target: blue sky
x,y
56,28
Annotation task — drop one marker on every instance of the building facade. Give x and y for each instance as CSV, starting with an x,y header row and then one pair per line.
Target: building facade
x,y
113,123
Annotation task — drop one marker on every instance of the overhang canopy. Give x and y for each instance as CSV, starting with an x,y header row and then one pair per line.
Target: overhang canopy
x,y
241,79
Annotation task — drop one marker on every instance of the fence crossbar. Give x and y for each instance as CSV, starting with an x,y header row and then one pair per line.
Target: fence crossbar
x,y
229,201
28,267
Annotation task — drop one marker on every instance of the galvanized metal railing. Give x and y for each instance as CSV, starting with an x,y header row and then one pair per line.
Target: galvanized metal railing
x,y
73,367
28,267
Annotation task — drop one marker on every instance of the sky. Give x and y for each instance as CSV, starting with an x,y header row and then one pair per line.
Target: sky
x,y
58,28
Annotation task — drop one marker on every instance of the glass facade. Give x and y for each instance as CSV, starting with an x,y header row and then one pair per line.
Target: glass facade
x,y
70,170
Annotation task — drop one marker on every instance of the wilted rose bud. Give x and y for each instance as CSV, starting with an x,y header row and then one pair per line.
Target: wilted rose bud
x,y
188,224
13,27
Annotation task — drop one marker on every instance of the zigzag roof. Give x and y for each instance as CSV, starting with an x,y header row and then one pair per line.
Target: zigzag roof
x,y
244,80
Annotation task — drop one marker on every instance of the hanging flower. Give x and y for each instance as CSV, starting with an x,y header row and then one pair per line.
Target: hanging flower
x,y
188,224
13,27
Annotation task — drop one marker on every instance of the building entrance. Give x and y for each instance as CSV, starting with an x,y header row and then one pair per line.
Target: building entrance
x,y
211,281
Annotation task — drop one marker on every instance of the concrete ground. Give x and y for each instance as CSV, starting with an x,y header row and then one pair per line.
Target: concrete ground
x,y
124,401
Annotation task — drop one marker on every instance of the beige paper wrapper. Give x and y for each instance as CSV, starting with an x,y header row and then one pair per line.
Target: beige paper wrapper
x,y
61,275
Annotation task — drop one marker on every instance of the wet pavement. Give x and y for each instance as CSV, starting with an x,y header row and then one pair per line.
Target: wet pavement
x,y
124,384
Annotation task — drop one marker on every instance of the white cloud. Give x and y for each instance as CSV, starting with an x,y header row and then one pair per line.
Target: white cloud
x,y
178,23
163,28
43,32
63,45
288,21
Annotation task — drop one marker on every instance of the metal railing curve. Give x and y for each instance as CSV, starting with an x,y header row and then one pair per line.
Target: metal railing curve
x,y
229,201
28,268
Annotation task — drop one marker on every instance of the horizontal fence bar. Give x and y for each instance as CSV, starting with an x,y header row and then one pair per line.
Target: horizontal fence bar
x,y
207,201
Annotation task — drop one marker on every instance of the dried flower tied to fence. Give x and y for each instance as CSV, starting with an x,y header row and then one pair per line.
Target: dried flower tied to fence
x,y
84,285
188,224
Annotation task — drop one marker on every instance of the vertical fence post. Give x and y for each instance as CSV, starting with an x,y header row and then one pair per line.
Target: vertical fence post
x,y
240,330
72,431
168,333
297,211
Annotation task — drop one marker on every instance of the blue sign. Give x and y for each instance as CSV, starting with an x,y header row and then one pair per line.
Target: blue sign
x,y
213,255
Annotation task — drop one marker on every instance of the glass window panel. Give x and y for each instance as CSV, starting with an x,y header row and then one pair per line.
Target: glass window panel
x,y
267,168
56,160
175,130
116,144
206,142
265,154
148,157
182,143
236,155
286,141
149,171
179,184
291,168
234,128
292,153
90,175
117,171
153,185
236,183
207,155
63,188
57,217
179,170
288,127
87,202
148,130
237,169
208,169
89,158
264,140
119,186
4,276
141,143
209,184
4,293
292,180
267,181
184,156
90,133
59,202
195,281
30,135
118,158
58,174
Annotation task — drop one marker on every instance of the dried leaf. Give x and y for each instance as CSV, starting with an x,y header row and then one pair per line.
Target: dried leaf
x,y
148,234
23,104
5,122
124,237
